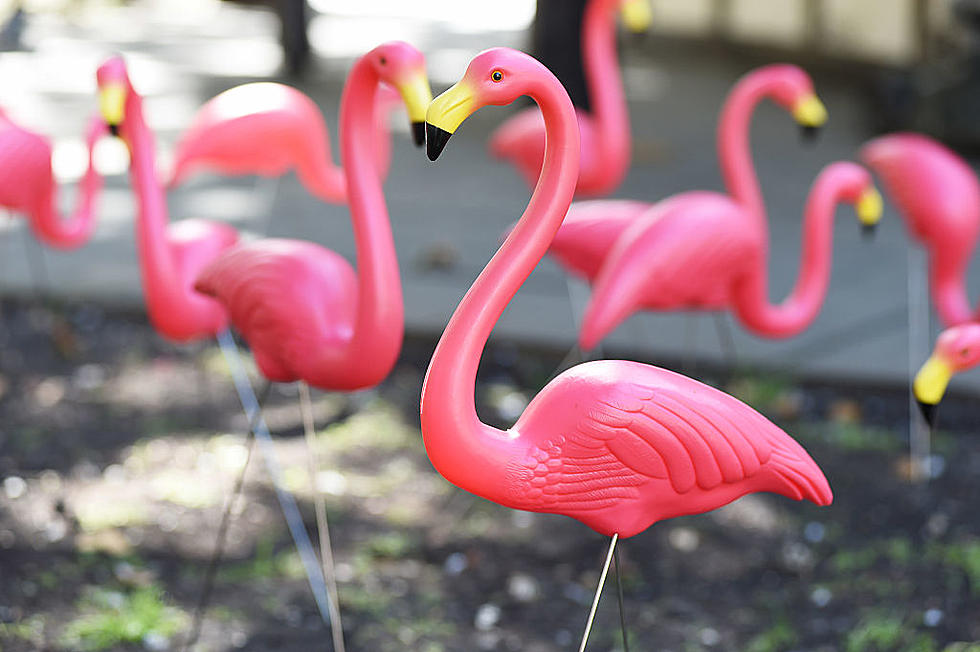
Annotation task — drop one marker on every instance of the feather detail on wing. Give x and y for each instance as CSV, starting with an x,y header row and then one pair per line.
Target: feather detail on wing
x,y
688,436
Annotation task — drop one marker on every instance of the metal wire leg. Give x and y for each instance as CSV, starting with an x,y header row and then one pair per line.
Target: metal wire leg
x,y
323,531
207,585
598,593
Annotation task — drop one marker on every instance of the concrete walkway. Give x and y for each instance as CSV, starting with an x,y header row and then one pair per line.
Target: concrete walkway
x,y
447,217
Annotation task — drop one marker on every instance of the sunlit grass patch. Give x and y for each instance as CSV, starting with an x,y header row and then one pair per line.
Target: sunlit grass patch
x,y
30,630
378,426
882,632
265,564
109,618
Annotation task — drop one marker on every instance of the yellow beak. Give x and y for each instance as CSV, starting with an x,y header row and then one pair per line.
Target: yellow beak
x,y
869,207
416,94
810,112
444,116
637,15
112,103
931,381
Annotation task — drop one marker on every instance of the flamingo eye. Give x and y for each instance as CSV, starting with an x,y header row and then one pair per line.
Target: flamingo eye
x,y
965,352
496,75
383,61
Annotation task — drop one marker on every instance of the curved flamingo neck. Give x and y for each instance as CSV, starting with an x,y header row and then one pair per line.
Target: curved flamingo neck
x,y
836,183
451,428
734,151
379,322
162,283
76,230
947,277
611,115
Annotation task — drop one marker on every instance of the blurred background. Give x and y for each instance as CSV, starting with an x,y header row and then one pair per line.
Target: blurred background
x,y
118,449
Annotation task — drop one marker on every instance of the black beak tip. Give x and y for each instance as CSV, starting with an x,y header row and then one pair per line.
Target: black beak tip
x,y
114,129
868,231
435,140
809,133
418,133
929,411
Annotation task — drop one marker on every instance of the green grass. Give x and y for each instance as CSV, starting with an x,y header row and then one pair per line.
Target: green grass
x,y
265,564
110,618
881,632
30,630
962,557
775,639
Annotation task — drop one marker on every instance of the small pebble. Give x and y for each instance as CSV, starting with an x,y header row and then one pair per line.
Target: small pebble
x,y
156,642
814,532
932,617
455,564
522,588
14,487
821,596
684,539
710,636
487,617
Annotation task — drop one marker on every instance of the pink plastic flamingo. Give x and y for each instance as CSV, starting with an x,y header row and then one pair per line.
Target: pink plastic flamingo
x,y
27,185
957,350
606,132
702,250
171,255
617,445
591,228
305,312
939,197
268,128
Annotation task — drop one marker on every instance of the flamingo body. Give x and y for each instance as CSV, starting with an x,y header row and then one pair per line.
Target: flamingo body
x,y
604,133
267,128
287,298
305,312
171,254
27,184
939,196
591,228
620,445
707,251
520,140
589,231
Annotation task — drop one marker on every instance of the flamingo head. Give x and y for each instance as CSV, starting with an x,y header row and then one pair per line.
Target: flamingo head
x,y
957,349
114,89
402,67
496,76
792,88
857,188
636,14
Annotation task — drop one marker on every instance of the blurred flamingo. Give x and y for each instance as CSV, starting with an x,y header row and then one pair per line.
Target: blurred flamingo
x,y
706,251
938,195
303,309
617,445
957,350
268,128
591,228
27,184
171,257
606,132
305,312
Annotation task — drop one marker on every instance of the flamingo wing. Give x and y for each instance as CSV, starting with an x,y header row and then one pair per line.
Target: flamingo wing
x,y
648,444
288,298
26,178
684,252
589,231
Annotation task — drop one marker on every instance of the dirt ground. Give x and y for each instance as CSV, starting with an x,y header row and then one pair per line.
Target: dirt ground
x,y
118,452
